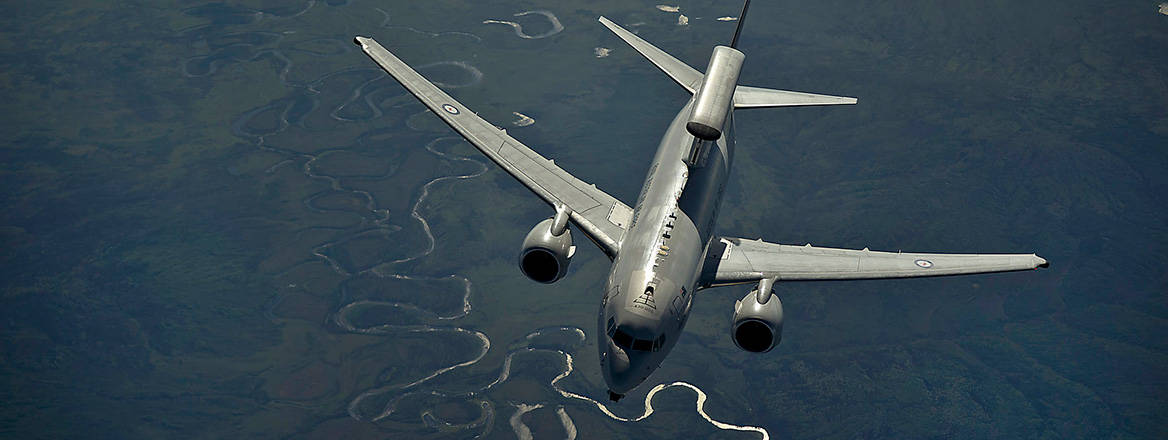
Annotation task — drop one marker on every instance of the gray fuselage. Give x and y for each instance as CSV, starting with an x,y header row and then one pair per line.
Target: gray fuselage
x,y
650,288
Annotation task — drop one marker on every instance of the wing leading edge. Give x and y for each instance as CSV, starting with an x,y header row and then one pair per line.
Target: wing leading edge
x,y
600,216
736,261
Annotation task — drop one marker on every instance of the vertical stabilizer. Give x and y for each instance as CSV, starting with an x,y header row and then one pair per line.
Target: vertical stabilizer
x,y
738,29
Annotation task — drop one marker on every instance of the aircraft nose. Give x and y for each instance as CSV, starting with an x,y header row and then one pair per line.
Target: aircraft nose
x,y
618,360
619,370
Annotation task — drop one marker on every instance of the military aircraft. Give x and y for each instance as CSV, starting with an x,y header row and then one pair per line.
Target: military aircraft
x,y
663,248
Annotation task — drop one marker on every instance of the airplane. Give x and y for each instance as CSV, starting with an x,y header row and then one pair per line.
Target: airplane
x,y
664,248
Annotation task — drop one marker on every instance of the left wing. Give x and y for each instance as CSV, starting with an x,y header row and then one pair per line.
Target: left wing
x,y
737,260
600,216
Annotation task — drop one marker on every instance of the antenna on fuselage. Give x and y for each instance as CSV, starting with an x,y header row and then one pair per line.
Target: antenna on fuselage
x,y
741,19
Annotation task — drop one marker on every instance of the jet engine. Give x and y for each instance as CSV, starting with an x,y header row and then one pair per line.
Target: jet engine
x,y
548,249
758,319
712,100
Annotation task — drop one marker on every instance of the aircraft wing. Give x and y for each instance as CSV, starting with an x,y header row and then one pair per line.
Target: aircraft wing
x,y
600,216
737,260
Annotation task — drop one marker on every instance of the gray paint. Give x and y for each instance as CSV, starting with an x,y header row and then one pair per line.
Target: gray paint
x,y
712,101
665,248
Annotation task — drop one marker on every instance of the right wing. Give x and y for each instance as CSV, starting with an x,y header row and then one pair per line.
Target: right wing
x,y
600,216
737,261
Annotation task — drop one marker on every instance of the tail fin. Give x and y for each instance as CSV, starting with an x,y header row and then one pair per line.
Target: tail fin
x,y
738,29
755,97
681,72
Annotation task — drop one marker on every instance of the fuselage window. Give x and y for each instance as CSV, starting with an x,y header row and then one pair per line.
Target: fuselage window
x,y
641,198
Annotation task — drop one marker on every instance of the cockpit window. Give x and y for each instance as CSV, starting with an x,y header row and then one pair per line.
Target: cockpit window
x,y
626,341
642,345
622,339
660,342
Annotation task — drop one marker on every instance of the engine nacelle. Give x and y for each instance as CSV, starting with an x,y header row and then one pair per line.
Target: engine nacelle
x,y
712,101
758,320
545,255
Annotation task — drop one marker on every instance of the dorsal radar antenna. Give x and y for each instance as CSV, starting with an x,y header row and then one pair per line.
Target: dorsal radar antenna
x,y
741,19
713,100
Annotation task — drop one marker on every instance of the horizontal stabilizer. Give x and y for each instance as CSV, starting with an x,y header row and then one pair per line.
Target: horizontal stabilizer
x,y
754,97
681,72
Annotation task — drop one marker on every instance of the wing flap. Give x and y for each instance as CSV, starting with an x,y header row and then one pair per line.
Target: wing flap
x,y
735,261
590,206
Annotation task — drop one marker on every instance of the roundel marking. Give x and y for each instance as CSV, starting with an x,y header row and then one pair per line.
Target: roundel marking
x,y
924,263
450,109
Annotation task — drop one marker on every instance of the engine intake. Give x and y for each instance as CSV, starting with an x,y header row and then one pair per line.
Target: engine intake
x,y
545,255
758,319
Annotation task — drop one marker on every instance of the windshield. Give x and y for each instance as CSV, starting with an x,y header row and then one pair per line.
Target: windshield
x,y
623,339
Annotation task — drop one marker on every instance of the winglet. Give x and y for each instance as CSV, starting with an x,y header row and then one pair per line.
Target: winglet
x,y
681,72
